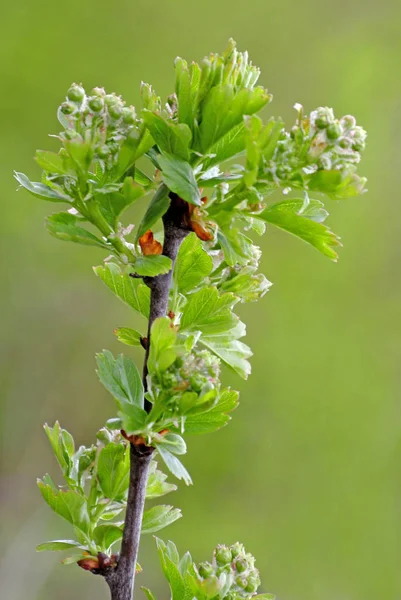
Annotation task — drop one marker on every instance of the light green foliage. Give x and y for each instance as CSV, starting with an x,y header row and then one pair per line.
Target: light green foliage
x,y
95,493
190,143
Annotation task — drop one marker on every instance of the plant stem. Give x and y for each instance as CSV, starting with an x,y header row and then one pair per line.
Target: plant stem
x,y
121,579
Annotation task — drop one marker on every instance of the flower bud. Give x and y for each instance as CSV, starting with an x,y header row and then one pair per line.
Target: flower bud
x,y
98,91
253,584
67,108
76,93
236,549
115,110
103,151
348,122
129,115
222,555
114,147
205,570
241,565
241,582
334,130
95,103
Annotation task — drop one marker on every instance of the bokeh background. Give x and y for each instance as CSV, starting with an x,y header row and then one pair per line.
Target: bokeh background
x,y
308,473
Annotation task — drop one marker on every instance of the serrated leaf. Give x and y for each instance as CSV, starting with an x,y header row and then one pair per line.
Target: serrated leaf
x,y
156,485
283,215
208,312
230,350
57,545
171,138
131,291
113,470
173,443
179,177
52,162
63,226
158,517
68,504
120,377
156,209
171,572
162,340
152,265
193,264
174,465
128,336
215,418
112,204
40,190
230,145
107,535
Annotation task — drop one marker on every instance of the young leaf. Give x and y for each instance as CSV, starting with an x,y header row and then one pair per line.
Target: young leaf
x,y
68,504
171,572
156,209
120,377
193,264
57,545
149,595
284,216
173,443
40,190
162,353
152,265
52,162
231,351
213,419
131,291
174,465
63,226
107,535
128,336
157,485
158,517
113,470
208,312
171,138
179,177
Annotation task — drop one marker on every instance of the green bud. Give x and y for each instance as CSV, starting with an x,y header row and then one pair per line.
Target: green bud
x,y
241,582
236,549
223,555
115,110
114,147
104,436
67,108
253,584
241,565
129,115
103,151
197,382
334,131
98,91
95,103
205,570
76,93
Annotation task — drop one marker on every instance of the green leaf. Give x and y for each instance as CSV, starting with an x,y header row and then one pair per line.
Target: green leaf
x,y
71,560
230,350
174,465
171,138
313,210
40,190
284,216
149,595
52,162
57,545
120,377
128,336
152,265
156,485
156,209
215,418
173,443
63,226
114,203
131,291
230,145
193,264
107,535
171,572
208,312
179,177
158,517
56,440
113,470
81,154
135,145
68,504
162,341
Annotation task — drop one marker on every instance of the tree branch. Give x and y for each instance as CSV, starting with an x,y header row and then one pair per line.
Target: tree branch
x,y
121,579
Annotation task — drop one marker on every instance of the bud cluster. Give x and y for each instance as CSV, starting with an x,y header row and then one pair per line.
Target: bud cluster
x,y
317,142
232,572
101,119
191,373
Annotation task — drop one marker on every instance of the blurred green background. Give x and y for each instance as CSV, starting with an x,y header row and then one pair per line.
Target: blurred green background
x,y
308,473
